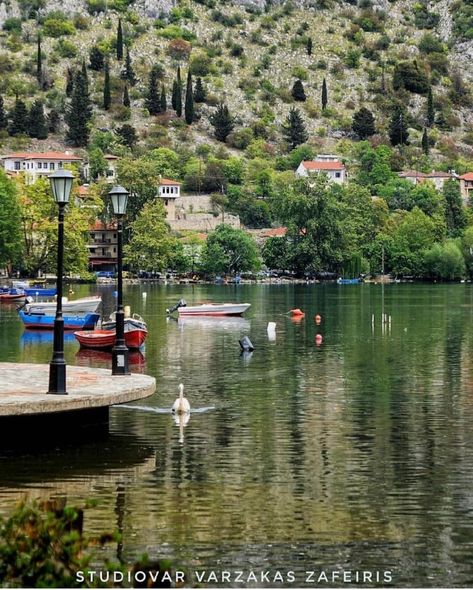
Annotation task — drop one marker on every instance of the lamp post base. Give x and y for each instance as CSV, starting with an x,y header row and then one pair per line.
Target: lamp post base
x,y
120,360
57,378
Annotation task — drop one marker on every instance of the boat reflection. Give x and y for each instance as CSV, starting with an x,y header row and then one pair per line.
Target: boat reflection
x,y
30,337
102,359
214,323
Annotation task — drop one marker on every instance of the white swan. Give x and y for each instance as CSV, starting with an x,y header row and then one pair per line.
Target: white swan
x,y
181,405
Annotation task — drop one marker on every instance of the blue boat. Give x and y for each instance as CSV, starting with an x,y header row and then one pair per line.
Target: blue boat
x,y
341,281
85,321
40,291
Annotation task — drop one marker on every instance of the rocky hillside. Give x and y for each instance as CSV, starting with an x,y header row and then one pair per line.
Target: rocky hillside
x,y
249,53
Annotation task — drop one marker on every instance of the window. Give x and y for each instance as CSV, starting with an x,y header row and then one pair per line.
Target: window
x,y
40,165
51,165
337,175
114,250
93,250
115,236
109,172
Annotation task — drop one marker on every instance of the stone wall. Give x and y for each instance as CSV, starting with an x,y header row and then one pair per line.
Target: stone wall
x,y
203,222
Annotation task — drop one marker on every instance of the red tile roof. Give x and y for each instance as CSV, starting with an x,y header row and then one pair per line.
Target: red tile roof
x,y
101,226
83,190
435,174
467,176
166,181
314,165
43,156
276,232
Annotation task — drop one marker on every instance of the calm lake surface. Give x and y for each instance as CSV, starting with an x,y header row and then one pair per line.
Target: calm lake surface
x,y
351,454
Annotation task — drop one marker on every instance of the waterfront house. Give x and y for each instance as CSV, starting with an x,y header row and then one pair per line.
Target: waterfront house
x,y
466,187
110,174
326,163
37,164
169,191
103,246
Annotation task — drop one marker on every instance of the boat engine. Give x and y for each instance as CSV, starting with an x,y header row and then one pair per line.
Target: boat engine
x,y
180,303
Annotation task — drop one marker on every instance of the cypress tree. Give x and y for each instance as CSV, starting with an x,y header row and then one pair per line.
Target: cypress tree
x,y
425,142
398,133
96,59
363,123
324,95
128,72
19,118
152,99
179,93
3,115
383,80
309,46
174,95
189,102
107,97
54,121
163,99
430,108
39,63
69,82
79,112
298,92
294,131
119,40
222,122
126,97
37,126
200,93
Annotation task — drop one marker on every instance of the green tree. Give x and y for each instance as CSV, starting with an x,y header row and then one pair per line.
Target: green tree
x,y
3,115
37,125
107,97
79,111
127,135
97,163
276,253
430,108
39,63
294,130
455,217
10,228
152,102
200,93
151,245
410,76
189,102
363,123
126,97
128,73
174,95
96,59
425,142
54,121
163,102
69,82
298,92
309,46
19,119
445,261
467,249
398,132
324,95
222,122
228,250
374,168
178,92
119,40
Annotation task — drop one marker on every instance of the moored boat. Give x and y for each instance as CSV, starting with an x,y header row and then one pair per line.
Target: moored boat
x,y
214,309
71,322
40,291
77,306
105,339
11,295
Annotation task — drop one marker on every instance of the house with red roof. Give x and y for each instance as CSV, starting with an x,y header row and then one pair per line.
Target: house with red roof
x,y
466,188
37,164
169,191
103,246
324,163
436,177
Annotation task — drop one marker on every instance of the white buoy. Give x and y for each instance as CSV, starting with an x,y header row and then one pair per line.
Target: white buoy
x,y
144,294
271,329
127,311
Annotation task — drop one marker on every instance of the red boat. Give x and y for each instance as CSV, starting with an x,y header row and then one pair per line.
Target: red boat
x,y
105,339
12,295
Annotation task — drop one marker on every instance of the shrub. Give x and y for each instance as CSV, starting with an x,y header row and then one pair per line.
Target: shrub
x,y
12,24
424,19
199,64
431,44
176,32
241,138
66,48
409,76
54,27
352,58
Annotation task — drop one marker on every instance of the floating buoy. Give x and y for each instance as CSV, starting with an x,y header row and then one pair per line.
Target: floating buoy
x,y
318,319
245,344
144,294
115,294
127,311
297,312
271,330
318,339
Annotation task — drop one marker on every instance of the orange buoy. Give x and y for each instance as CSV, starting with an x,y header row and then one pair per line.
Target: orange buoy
x,y
318,339
318,319
297,312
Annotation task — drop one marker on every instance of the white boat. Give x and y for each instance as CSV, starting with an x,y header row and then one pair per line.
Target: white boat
x,y
213,309
77,306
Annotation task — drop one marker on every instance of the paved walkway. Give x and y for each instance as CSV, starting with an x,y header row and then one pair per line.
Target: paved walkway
x,y
23,389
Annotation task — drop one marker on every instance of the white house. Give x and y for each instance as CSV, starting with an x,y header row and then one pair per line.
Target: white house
x,y
169,191
328,164
466,187
437,178
110,174
37,164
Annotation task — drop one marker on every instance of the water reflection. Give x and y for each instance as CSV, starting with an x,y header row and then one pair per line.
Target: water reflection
x,y
43,337
88,357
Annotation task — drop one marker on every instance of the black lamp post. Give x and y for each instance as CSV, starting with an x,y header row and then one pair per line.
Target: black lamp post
x,y
61,184
119,197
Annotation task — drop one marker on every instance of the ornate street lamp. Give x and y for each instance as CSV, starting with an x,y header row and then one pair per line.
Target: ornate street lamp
x,y
119,197
61,184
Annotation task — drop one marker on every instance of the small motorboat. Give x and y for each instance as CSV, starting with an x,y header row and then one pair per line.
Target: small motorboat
x,y
40,292
12,295
71,322
74,307
342,281
135,331
211,309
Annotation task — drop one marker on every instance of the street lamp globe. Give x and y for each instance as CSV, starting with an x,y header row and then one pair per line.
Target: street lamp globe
x,y
119,197
61,185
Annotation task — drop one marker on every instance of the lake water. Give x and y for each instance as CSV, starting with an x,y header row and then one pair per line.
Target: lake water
x,y
354,453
